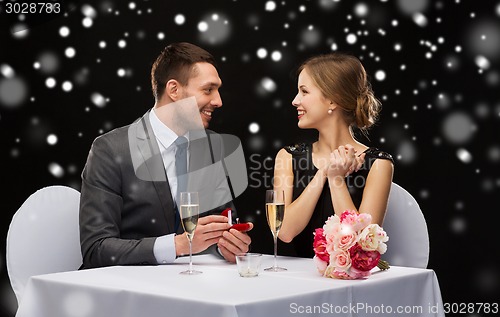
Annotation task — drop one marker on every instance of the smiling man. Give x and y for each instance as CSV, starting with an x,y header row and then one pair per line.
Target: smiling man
x,y
131,181
184,70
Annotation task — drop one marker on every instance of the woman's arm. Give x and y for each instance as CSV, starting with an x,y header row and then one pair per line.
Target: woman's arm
x,y
375,193
299,212
377,188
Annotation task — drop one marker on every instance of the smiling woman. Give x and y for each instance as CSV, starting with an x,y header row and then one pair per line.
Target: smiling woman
x,y
335,173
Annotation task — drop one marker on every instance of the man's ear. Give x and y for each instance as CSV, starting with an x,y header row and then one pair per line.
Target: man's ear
x,y
173,89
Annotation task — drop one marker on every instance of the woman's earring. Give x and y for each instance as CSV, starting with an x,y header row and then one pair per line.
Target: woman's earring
x,y
330,111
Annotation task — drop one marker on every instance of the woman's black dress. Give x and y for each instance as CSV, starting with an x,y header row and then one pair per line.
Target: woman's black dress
x,y
304,171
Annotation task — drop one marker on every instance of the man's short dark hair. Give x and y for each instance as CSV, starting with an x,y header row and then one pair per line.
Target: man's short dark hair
x,y
176,62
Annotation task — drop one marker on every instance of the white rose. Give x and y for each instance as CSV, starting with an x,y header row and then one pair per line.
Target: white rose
x,y
372,238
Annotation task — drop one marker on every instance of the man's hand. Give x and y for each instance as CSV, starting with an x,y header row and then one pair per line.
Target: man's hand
x,y
208,232
234,242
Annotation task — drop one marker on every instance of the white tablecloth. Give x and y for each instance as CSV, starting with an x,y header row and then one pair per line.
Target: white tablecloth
x,y
148,291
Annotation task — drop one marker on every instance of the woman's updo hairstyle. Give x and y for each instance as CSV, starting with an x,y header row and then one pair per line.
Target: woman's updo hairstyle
x,y
342,79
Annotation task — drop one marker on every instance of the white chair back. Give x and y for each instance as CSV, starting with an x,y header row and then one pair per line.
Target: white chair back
x,y
405,225
43,236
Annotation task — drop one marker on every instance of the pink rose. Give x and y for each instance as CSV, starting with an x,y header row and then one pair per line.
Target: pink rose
x,y
363,260
341,260
340,275
348,216
345,238
352,274
331,225
356,220
319,245
320,265
357,274
331,232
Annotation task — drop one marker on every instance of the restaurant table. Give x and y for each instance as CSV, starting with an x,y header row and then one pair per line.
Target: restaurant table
x,y
133,291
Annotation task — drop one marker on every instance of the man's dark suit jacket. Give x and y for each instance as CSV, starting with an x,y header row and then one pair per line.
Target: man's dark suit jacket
x,y
125,196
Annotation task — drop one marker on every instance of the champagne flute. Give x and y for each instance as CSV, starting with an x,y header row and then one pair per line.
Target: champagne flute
x,y
275,210
189,211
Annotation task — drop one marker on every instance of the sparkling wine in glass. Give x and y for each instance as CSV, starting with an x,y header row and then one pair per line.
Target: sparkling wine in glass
x,y
189,211
275,210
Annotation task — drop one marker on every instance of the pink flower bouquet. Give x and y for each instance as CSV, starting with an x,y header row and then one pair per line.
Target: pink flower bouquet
x,y
349,246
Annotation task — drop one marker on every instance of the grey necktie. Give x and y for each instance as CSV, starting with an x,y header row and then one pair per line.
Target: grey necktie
x,y
181,144
181,165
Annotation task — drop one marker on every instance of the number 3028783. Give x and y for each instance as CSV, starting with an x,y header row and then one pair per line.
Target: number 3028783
x,y
33,7
470,308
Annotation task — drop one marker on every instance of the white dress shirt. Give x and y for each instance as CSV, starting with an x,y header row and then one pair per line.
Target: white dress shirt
x,y
164,247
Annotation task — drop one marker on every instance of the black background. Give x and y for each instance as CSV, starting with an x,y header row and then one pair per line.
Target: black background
x,y
438,101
